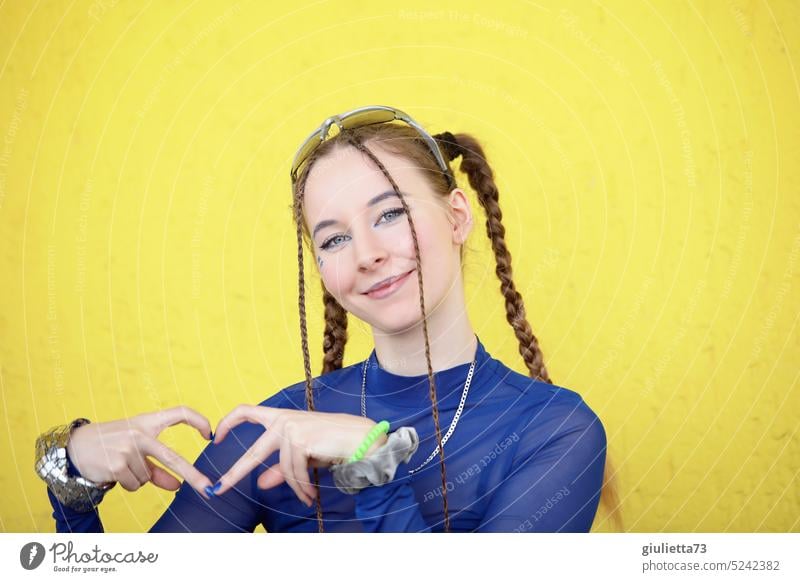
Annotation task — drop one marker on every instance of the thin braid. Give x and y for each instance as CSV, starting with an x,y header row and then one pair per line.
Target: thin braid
x,y
301,301
481,179
336,318
431,381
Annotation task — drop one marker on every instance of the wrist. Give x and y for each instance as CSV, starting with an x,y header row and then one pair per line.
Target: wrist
x,y
74,492
380,467
379,442
72,468
377,431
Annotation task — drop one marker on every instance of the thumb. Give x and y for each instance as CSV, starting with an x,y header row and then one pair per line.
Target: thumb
x,y
270,478
160,478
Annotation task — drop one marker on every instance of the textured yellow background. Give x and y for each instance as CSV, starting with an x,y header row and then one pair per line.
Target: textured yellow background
x,y
647,162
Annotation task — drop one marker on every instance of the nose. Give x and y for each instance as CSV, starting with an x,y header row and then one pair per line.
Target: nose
x,y
370,252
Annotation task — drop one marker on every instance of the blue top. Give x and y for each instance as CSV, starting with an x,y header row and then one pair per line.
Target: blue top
x,y
525,456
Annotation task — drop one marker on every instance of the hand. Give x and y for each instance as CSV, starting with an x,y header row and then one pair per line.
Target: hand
x,y
118,450
305,439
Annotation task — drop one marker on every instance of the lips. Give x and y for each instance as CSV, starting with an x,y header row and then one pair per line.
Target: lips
x,y
387,286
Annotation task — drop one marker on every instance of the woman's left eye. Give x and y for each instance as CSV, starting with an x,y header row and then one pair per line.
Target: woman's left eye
x,y
393,211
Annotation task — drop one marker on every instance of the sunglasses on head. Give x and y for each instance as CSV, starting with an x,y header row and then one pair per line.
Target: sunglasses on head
x,y
369,115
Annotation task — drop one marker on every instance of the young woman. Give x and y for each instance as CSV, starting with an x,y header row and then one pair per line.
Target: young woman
x,y
472,445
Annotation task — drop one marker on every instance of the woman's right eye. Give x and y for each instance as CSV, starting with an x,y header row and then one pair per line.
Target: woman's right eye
x,y
327,244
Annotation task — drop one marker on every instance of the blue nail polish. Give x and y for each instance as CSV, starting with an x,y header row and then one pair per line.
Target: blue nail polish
x,y
217,487
211,438
209,491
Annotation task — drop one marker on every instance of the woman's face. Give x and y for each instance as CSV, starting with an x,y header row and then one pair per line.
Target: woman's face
x,y
361,236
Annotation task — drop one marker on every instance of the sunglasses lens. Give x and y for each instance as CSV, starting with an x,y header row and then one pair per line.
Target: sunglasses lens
x,y
367,118
358,119
305,151
348,122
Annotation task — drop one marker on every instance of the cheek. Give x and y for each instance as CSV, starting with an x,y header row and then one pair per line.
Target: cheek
x,y
336,276
433,246
400,244
436,261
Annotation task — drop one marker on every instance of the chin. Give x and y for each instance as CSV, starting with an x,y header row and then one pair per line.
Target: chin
x,y
398,325
391,317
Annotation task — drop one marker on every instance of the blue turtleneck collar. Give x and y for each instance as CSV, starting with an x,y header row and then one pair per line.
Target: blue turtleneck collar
x,y
414,391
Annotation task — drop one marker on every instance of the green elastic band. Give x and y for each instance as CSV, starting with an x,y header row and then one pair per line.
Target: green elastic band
x,y
381,427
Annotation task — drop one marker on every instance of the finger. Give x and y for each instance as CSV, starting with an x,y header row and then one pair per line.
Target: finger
x,y
270,478
285,461
160,478
128,480
246,413
287,467
300,471
156,422
138,466
264,446
175,463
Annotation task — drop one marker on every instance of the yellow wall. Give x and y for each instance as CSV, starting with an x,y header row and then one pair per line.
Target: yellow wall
x,y
646,156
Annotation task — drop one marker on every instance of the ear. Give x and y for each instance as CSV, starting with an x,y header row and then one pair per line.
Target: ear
x,y
461,215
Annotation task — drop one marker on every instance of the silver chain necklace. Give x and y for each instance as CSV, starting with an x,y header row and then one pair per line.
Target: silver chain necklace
x,y
452,425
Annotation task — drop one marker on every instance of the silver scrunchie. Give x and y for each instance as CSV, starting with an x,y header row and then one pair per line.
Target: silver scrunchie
x,y
379,468
77,493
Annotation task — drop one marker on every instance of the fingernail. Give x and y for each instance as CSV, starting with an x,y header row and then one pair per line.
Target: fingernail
x,y
216,488
209,491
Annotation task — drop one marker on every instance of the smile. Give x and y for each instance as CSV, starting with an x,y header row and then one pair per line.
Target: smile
x,y
388,289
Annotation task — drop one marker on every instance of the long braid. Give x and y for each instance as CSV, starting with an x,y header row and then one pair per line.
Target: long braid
x,y
481,178
301,302
336,318
431,381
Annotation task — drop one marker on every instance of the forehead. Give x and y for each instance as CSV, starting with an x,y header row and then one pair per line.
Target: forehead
x,y
346,179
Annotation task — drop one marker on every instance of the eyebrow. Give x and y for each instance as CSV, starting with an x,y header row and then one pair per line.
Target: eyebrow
x,y
323,223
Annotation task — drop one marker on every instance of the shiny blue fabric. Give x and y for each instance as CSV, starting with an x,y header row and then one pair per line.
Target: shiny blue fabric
x,y
526,456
